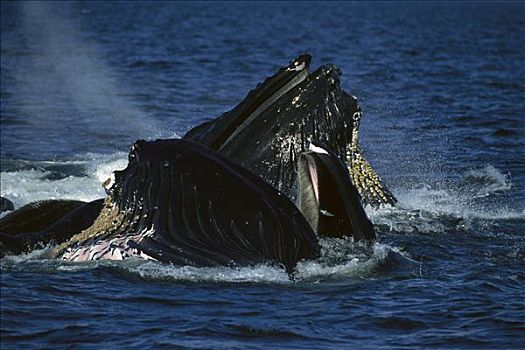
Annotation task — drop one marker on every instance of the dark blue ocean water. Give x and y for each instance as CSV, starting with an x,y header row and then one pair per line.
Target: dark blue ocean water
x,y
442,86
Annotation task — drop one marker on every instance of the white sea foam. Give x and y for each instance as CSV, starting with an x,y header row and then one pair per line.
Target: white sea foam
x,y
17,259
346,259
486,181
24,186
351,261
259,273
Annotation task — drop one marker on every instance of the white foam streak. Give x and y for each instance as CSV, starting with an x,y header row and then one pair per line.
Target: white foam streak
x,y
26,186
25,257
260,273
355,264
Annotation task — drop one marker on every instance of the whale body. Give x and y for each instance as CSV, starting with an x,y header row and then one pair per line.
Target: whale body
x,y
258,184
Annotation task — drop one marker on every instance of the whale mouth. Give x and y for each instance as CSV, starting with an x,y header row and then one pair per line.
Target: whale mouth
x,y
313,177
166,206
275,121
327,198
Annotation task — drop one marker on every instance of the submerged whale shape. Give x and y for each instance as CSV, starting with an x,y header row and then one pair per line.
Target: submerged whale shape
x,y
6,205
37,216
178,202
43,222
280,119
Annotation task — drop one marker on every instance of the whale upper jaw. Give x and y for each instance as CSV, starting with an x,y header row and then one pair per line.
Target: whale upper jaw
x,y
217,133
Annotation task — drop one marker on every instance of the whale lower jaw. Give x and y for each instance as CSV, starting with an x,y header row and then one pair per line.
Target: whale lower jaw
x,y
166,206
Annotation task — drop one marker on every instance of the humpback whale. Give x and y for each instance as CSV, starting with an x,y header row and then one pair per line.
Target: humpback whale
x,y
256,185
281,117
178,202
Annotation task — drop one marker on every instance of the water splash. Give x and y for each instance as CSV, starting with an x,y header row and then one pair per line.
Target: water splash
x,y
485,182
478,196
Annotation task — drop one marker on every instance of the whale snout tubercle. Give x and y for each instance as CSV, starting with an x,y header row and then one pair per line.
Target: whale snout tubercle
x,y
108,183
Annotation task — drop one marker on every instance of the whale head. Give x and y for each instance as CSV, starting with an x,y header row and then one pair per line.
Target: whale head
x,y
279,118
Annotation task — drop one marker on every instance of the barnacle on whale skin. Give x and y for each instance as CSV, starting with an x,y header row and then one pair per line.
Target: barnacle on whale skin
x,y
364,177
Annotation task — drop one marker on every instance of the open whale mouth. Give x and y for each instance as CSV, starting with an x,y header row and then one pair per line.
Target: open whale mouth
x,y
314,169
327,197
279,118
166,206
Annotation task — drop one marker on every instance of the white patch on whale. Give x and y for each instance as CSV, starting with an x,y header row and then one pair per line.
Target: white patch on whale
x,y
298,67
317,149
